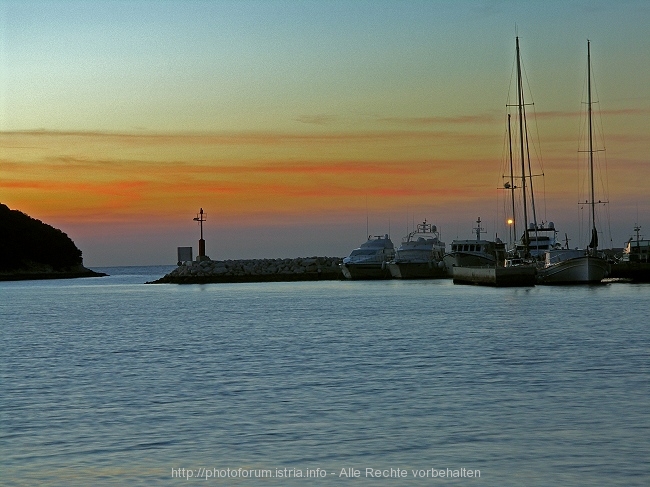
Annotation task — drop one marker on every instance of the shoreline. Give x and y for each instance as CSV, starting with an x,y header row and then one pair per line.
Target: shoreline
x,y
27,275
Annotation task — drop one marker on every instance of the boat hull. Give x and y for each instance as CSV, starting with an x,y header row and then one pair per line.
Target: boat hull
x,y
418,270
524,275
636,271
462,259
366,271
579,270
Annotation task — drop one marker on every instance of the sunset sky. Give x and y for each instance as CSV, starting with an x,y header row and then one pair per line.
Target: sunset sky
x,y
301,126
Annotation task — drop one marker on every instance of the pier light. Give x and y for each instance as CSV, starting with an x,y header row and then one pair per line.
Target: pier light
x,y
510,222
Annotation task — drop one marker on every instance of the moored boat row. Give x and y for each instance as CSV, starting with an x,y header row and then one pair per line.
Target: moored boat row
x,y
420,256
537,258
486,262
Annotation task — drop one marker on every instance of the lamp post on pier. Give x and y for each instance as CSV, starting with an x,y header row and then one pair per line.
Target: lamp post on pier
x,y
200,217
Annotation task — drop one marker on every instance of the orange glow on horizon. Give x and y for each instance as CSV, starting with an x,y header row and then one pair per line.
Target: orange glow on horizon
x,y
99,176
126,179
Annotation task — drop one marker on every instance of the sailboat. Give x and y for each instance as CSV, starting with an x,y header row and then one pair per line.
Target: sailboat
x,y
496,269
579,266
537,237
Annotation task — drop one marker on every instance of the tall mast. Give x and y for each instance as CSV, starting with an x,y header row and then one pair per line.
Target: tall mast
x,y
520,106
512,182
530,175
594,234
479,230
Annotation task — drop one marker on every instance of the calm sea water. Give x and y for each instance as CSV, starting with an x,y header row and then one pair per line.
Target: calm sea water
x,y
108,381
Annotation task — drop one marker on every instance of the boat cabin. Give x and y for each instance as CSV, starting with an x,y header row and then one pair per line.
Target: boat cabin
x,y
637,251
478,252
541,238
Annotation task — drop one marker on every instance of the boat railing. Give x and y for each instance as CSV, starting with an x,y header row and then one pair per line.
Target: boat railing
x,y
368,259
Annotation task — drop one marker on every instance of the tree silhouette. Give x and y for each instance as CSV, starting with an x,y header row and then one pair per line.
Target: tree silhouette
x,y
25,242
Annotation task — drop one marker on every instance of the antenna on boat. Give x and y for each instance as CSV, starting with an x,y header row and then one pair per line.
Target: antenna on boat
x,y
407,219
479,230
367,225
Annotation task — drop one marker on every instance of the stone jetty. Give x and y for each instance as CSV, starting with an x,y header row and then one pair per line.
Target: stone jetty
x,y
254,270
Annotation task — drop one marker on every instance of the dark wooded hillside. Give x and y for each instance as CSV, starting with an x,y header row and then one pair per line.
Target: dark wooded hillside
x,y
26,242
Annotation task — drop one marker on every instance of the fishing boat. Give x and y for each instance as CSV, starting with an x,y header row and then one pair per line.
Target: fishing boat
x,y
635,261
579,266
370,260
420,255
637,250
475,253
484,262
519,274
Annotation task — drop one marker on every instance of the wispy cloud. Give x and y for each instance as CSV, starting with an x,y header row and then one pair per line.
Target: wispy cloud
x,y
427,121
604,113
317,119
107,176
11,139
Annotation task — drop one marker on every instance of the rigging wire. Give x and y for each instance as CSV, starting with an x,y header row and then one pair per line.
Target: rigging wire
x,y
604,180
581,180
603,215
536,148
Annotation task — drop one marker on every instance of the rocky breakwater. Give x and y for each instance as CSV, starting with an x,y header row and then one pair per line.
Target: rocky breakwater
x,y
254,270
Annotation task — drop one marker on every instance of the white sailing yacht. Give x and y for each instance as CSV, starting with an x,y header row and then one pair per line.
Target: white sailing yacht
x,y
579,266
